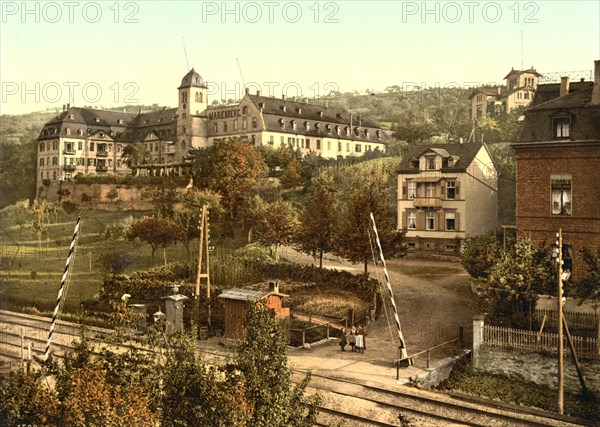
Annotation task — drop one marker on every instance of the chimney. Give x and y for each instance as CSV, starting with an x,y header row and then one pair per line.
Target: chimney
x,y
258,93
360,120
274,287
64,107
350,119
283,97
68,106
247,91
596,91
305,100
564,86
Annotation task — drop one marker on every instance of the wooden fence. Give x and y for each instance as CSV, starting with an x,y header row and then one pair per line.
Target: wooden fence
x,y
531,341
574,318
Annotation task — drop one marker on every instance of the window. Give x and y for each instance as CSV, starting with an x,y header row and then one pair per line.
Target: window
x,y
224,126
80,145
42,146
329,145
357,148
450,221
245,110
479,98
450,247
216,127
430,189
562,127
340,146
412,189
91,146
561,194
68,131
430,163
245,123
272,140
414,163
42,161
451,189
411,220
282,140
235,124
255,124
430,221
318,144
348,147
307,126
54,161
308,143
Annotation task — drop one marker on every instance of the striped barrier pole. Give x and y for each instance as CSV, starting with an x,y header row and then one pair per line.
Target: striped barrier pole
x,y
402,345
62,289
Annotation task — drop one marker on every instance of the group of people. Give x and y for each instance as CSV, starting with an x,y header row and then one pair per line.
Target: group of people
x,y
355,337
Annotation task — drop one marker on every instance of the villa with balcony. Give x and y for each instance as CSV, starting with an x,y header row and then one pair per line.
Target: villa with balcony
x,y
446,193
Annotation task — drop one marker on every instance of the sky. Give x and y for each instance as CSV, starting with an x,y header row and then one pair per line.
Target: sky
x,y
107,53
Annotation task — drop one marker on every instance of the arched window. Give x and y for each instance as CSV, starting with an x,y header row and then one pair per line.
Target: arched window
x,y
282,123
68,131
54,161
42,146
183,144
254,123
79,132
42,161
378,133
294,124
307,125
245,109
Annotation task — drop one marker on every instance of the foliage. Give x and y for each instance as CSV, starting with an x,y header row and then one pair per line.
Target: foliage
x,y
319,219
292,174
163,199
367,193
516,281
480,254
187,212
230,168
25,400
588,288
118,230
113,194
135,154
261,360
156,232
116,261
277,225
18,173
251,214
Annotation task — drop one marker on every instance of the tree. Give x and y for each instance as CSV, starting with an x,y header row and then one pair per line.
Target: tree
x,y
515,282
480,254
113,194
26,400
156,232
278,225
231,168
252,212
317,223
21,214
135,154
588,288
41,209
188,210
116,261
367,193
292,174
261,359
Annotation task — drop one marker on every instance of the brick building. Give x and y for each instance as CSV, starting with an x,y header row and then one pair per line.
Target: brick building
x,y
558,169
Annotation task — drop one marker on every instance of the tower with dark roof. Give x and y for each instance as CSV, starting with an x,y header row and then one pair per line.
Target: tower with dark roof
x,y
192,119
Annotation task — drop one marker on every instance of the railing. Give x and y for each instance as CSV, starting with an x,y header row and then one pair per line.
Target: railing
x,y
531,341
322,330
69,167
102,153
427,202
69,151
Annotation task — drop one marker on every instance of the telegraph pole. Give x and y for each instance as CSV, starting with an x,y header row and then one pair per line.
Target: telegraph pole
x,y
204,242
561,404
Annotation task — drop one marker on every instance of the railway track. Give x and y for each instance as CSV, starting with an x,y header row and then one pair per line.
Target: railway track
x,y
344,401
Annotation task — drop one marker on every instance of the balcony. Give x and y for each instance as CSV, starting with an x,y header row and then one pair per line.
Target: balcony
x,y
69,151
427,202
169,150
101,168
69,168
102,153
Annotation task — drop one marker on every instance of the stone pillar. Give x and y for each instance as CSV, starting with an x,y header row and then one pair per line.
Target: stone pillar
x,y
174,313
478,323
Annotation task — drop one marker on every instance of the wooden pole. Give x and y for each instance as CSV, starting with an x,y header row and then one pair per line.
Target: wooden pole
x,y
574,356
561,387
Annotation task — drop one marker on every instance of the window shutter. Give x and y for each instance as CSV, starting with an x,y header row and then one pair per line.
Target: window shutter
x,y
420,220
443,187
456,223
403,220
404,191
441,225
457,189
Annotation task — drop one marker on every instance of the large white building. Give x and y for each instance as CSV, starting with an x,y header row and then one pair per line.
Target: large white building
x,y
89,141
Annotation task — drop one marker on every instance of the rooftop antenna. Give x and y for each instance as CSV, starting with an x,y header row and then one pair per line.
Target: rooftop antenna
x,y
185,52
522,50
241,75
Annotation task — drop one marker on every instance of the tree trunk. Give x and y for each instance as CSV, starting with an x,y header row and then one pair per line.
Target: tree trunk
x,y
366,271
165,255
321,258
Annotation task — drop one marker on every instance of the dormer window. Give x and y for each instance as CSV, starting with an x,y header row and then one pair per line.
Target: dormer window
x,y
347,130
317,126
282,123
320,113
284,108
414,163
79,132
339,115
97,120
367,133
120,121
328,128
72,116
68,131
430,163
356,131
338,130
307,126
294,124
378,133
561,127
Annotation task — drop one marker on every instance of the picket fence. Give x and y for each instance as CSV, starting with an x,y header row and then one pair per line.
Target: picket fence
x,y
531,341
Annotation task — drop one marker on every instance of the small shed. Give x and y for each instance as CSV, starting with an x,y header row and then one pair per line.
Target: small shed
x,y
174,313
236,304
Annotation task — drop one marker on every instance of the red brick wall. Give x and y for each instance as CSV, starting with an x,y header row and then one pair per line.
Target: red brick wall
x,y
534,219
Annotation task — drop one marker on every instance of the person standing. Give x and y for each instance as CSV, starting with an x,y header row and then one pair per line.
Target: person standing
x,y
363,334
352,338
360,340
343,339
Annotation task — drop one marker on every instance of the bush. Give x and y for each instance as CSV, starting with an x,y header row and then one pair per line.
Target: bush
x,y
68,207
